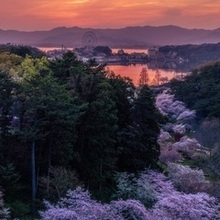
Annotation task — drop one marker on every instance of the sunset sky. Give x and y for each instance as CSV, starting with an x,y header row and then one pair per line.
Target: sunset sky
x,y
46,14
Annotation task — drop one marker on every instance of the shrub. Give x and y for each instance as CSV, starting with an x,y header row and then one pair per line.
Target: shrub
x,y
4,213
173,108
130,209
169,154
138,188
186,179
171,204
59,182
177,205
19,209
186,206
76,205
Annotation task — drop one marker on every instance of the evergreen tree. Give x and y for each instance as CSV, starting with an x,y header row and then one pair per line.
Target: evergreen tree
x,y
96,131
49,115
7,96
138,141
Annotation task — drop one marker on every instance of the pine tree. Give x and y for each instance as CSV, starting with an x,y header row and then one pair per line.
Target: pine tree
x,y
139,147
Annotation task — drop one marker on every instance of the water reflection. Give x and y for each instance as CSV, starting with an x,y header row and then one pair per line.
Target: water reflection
x,y
158,71
155,75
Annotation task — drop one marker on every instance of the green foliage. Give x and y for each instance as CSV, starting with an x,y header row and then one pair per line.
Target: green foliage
x,y
138,141
193,55
97,126
19,209
7,90
210,164
55,186
9,180
67,67
207,133
31,68
201,90
73,115
21,50
122,93
130,186
10,63
49,110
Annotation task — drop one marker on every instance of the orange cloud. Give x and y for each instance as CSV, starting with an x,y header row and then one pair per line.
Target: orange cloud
x,y
46,14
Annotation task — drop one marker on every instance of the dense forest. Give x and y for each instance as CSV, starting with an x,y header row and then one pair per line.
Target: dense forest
x,y
203,85
188,57
73,121
80,142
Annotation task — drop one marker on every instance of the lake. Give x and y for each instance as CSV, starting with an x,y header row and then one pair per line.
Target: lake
x,y
114,50
155,74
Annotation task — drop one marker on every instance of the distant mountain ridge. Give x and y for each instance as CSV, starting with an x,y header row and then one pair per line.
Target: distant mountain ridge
x,y
124,37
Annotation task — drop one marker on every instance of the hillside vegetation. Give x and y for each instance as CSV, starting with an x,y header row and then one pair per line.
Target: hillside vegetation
x,y
201,90
79,142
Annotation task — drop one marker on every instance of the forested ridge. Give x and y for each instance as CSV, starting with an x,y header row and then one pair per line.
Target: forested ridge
x,y
201,90
80,142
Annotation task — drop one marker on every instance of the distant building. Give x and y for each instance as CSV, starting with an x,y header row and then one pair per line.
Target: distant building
x,y
153,53
121,52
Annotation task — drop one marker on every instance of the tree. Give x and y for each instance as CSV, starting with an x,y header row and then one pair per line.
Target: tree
x,y
49,115
144,78
10,63
203,87
122,93
97,127
66,68
157,78
103,49
7,97
10,181
170,205
187,180
137,187
61,180
139,147
21,50
96,143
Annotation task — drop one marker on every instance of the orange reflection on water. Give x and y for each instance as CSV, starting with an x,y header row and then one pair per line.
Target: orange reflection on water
x,y
133,72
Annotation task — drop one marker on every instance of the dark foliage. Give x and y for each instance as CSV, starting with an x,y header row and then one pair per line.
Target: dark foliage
x,y
191,55
138,141
74,115
21,50
201,90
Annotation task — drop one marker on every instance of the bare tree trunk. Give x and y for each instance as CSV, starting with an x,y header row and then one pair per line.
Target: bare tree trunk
x,y
100,181
38,168
33,170
48,168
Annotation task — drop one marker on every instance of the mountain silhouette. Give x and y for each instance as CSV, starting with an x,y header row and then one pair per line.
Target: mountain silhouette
x,y
124,37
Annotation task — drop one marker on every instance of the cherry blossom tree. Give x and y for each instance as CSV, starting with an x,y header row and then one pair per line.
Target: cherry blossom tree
x,y
171,204
187,179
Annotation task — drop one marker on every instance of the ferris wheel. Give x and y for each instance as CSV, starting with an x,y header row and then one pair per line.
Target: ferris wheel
x,y
89,39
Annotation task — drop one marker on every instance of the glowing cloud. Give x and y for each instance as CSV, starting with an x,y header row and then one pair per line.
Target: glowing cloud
x,y
46,14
